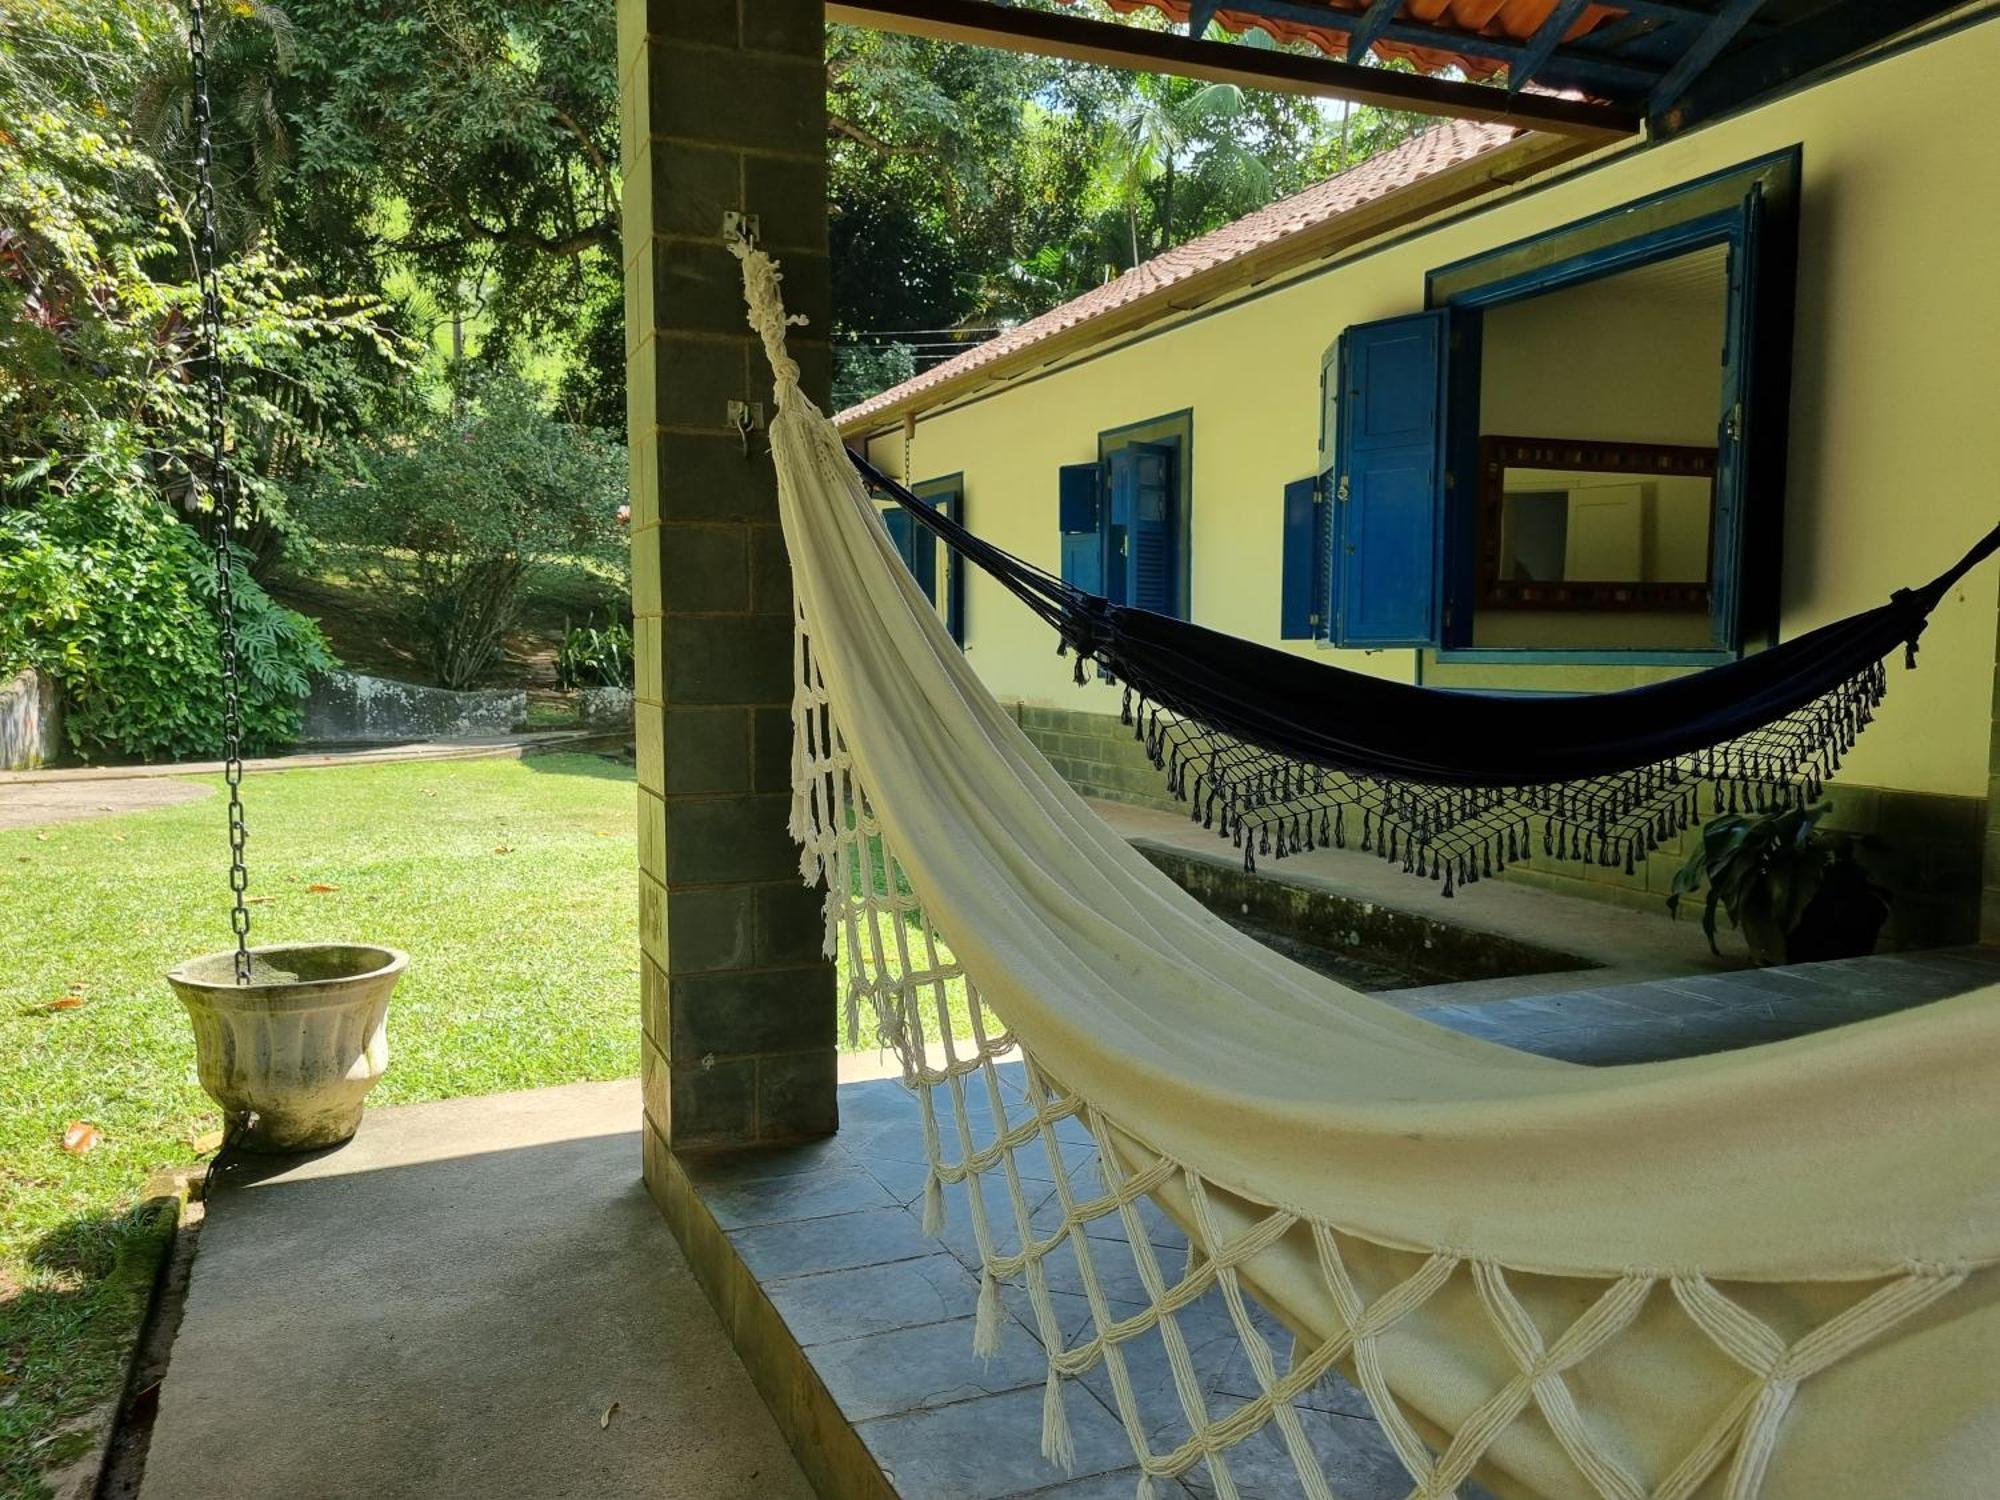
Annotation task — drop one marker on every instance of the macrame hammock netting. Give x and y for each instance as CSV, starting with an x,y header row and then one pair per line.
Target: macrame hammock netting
x,y
1229,1195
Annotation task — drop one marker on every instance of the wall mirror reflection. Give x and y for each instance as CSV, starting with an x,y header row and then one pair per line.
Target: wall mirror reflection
x,y
1593,525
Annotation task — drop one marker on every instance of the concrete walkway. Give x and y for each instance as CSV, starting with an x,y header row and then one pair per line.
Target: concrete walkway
x,y
38,803
449,1306
497,747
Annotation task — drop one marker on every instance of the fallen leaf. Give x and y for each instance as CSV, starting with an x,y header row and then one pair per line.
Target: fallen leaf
x,y
117,838
503,848
429,793
67,1002
41,838
603,833
609,1412
80,1136
318,889
207,1141
255,900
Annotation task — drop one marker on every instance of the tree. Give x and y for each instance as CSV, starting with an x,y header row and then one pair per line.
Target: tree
x,y
473,143
475,500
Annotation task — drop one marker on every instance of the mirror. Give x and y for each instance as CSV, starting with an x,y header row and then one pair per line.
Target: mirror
x,y
1591,525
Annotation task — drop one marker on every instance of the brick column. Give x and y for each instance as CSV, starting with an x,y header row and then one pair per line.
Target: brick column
x,y
723,108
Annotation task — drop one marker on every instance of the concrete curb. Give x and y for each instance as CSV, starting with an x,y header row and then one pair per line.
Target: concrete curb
x,y
172,1194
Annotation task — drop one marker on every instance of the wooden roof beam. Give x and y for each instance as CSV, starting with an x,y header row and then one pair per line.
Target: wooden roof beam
x,y
980,23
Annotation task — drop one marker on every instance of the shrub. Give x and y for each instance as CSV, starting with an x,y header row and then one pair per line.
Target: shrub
x,y
475,499
114,597
594,657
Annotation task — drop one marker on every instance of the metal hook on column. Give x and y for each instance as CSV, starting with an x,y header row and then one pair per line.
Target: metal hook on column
x,y
745,417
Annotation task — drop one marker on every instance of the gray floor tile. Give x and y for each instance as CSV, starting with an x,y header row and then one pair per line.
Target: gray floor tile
x,y
992,1447
908,1369
874,1299
804,1195
798,1247
1120,1486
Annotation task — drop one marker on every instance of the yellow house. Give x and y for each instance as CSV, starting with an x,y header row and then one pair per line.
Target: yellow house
x,y
1498,411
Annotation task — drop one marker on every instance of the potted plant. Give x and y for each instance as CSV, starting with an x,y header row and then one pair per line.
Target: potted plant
x,y
1794,889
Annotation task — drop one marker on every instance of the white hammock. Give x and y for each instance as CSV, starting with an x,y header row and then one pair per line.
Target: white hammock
x,y
1768,1273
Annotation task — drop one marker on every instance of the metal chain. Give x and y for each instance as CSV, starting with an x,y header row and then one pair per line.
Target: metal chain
x,y
218,486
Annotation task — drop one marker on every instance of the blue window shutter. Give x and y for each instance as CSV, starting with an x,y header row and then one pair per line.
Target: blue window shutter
x,y
1300,606
1078,519
1142,542
1390,490
917,547
953,504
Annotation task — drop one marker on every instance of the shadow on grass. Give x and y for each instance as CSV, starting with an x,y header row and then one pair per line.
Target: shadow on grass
x,y
65,1338
609,765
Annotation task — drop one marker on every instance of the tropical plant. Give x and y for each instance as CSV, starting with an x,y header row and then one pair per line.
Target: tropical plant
x,y
1794,889
113,597
595,656
467,504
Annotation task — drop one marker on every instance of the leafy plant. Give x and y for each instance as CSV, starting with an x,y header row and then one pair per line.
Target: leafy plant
x,y
114,597
1767,870
474,498
591,656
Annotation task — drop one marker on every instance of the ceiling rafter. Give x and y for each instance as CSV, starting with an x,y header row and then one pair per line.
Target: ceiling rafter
x,y
983,23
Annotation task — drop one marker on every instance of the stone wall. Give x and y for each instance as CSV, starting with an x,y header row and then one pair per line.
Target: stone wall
x,y
30,721
353,708
1926,848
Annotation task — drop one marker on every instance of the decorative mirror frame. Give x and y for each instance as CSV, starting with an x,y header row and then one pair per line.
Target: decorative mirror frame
x,y
1659,460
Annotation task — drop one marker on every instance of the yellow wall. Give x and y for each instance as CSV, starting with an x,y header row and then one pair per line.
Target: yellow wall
x,y
1896,374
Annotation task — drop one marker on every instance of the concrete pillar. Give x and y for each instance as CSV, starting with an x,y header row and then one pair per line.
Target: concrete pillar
x,y
723,108
1989,894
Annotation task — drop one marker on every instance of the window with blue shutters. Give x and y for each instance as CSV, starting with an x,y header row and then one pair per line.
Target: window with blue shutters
x,y
919,548
1538,468
1124,520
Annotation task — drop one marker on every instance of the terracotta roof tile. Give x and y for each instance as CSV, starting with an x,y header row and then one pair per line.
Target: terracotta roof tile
x,y
1443,146
1512,20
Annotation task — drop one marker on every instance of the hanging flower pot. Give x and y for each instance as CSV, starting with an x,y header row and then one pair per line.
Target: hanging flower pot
x,y
291,1055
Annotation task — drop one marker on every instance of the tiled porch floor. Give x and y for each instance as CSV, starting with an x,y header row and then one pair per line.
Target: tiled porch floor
x,y
884,1314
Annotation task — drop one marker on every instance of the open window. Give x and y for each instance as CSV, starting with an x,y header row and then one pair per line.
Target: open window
x,y
1578,448
919,549
1124,519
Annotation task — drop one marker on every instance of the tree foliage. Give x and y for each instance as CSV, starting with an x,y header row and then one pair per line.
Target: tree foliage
x,y
105,468
472,500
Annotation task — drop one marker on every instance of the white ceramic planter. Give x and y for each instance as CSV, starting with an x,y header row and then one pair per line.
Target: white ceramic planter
x,y
291,1056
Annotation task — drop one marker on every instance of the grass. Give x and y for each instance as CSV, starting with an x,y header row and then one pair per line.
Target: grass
x,y
510,883
523,973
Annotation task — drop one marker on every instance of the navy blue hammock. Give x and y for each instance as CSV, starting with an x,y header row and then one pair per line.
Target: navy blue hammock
x,y
1280,753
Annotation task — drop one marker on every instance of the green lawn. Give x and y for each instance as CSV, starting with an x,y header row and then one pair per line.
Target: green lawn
x,y
511,885
523,972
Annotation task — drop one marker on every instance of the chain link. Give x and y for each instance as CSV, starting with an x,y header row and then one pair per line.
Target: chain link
x,y
217,484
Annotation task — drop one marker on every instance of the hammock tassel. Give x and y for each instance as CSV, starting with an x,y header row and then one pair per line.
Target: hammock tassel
x,y
1058,1446
933,1204
986,1326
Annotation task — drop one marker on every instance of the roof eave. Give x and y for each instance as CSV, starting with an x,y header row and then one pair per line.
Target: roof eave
x,y
1396,209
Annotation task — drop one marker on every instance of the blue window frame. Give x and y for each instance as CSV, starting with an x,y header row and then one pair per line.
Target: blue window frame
x,y
1124,520
1400,417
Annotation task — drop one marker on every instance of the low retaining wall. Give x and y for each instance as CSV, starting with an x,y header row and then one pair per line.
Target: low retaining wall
x,y
30,721
352,708
1924,847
